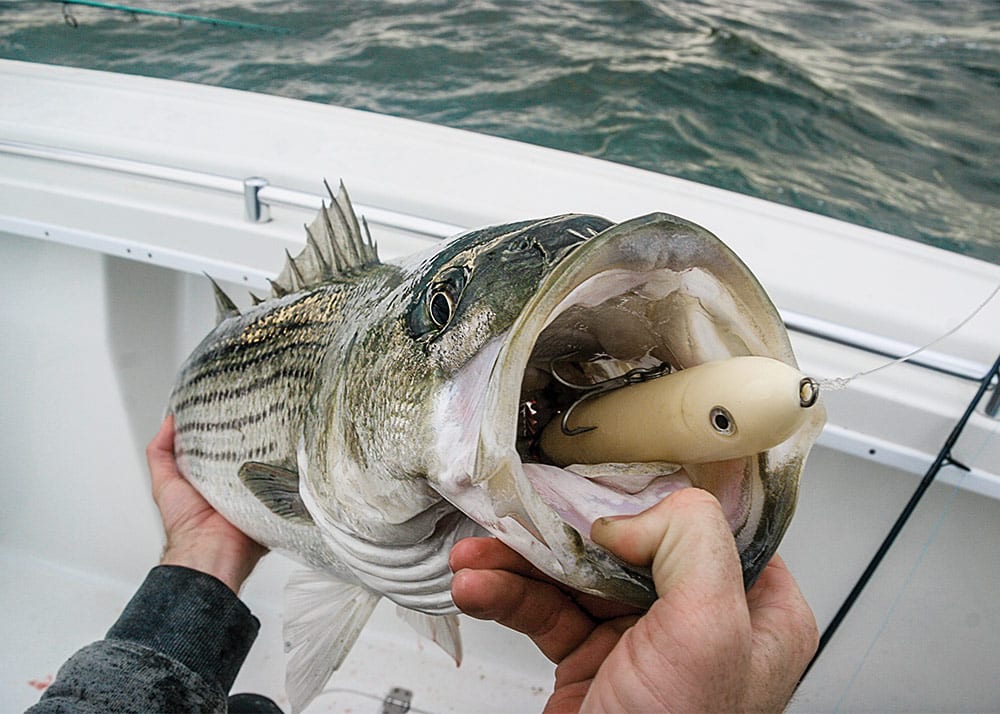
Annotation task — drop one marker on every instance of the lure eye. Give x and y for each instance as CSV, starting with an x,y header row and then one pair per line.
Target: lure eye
x,y
808,392
722,421
441,306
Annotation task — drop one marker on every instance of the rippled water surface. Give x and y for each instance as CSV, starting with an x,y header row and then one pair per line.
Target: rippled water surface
x,y
885,114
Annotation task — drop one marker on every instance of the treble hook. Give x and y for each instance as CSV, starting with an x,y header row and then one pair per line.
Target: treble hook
x,y
633,376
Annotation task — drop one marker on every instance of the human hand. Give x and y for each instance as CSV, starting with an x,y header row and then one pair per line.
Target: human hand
x,y
704,645
198,536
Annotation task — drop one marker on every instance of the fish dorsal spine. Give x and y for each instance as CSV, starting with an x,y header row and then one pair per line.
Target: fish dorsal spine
x,y
337,246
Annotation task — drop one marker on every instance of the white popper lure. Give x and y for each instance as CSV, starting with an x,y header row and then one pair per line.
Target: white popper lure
x,y
714,411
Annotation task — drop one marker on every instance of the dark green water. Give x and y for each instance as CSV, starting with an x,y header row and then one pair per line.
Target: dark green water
x,y
884,114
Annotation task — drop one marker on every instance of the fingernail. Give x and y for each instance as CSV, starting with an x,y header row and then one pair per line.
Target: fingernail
x,y
604,527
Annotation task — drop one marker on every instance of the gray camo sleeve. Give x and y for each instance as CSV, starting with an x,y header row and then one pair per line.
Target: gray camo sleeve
x,y
177,647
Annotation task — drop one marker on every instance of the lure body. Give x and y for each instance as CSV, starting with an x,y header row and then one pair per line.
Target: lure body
x,y
718,410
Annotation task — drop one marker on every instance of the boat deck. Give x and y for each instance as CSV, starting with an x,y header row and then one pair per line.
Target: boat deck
x,y
116,192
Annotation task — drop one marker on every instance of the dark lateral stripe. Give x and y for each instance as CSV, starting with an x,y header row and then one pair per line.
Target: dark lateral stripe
x,y
226,367
243,390
232,424
277,332
238,457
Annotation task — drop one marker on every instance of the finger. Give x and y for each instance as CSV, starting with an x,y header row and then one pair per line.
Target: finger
x,y
784,632
576,673
164,439
685,537
582,663
160,454
775,589
567,699
538,609
488,553
699,627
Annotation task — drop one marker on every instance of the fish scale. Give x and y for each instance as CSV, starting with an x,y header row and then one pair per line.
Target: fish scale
x,y
253,375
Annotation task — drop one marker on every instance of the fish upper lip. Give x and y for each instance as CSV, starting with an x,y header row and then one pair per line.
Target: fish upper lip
x,y
497,462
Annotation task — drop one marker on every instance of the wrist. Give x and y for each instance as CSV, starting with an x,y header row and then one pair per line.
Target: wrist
x,y
222,563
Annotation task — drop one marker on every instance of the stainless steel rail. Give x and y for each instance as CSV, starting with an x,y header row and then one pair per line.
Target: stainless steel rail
x,y
263,192
257,193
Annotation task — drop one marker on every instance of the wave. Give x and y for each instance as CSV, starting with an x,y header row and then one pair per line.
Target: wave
x,y
884,115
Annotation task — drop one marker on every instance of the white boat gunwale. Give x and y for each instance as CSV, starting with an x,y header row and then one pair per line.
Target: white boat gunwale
x,y
113,164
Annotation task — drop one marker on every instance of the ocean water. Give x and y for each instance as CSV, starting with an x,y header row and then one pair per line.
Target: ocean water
x,y
884,114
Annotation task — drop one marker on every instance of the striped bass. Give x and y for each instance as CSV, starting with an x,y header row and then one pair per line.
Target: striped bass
x,y
367,415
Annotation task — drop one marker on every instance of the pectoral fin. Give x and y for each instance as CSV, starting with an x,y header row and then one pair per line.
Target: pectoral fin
x,y
277,488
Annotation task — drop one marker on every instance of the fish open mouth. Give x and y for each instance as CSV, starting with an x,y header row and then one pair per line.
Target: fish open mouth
x,y
642,299
617,328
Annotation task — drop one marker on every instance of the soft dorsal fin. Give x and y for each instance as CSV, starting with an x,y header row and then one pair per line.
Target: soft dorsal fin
x,y
337,245
277,488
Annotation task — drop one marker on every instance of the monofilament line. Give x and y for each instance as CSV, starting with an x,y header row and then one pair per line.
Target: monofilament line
x,y
944,458
835,383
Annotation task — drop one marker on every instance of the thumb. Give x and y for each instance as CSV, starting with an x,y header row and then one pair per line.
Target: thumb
x,y
685,537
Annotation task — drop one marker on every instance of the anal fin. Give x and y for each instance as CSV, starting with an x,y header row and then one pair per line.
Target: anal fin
x,y
277,488
323,619
440,629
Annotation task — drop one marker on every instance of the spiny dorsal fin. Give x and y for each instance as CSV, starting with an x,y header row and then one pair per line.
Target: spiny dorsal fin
x,y
224,307
298,280
277,289
337,245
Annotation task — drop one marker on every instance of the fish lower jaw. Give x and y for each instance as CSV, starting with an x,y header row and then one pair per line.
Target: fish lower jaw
x,y
582,493
580,499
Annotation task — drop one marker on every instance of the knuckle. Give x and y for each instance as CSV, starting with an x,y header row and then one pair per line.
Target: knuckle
x,y
696,498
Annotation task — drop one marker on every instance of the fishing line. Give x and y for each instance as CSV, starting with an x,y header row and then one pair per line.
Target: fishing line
x,y
924,550
944,458
838,383
179,16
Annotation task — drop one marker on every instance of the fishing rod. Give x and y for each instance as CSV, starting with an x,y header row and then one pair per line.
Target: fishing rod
x,y
180,16
944,458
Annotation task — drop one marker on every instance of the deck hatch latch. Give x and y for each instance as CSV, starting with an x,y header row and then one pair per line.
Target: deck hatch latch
x,y
397,701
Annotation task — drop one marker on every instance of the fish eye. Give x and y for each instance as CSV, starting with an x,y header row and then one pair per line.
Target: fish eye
x,y
441,306
437,304
722,421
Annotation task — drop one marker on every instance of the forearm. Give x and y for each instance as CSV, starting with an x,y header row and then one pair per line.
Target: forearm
x,y
178,646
